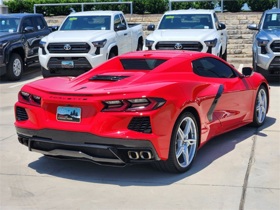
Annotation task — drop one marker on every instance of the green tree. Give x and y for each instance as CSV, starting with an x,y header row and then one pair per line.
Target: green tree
x,y
234,5
261,5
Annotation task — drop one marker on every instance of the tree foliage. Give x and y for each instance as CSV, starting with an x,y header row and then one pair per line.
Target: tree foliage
x,y
139,6
261,5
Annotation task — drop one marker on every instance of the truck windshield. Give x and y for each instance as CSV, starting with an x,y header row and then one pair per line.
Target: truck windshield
x,y
9,24
87,23
186,21
272,21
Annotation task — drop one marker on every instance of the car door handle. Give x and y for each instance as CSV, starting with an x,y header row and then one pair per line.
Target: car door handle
x,y
125,34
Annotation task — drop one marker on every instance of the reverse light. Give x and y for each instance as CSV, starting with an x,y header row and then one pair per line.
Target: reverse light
x,y
100,43
211,43
28,98
133,105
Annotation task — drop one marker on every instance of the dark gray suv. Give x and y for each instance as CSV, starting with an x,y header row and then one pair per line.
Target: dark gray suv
x,y
266,44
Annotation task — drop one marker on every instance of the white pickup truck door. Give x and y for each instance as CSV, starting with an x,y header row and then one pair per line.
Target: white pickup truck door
x,y
123,37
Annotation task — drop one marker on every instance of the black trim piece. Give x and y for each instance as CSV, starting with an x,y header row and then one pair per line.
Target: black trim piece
x,y
216,99
85,146
107,78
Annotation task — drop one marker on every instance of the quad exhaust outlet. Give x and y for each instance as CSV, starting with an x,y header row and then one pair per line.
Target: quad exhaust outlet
x,y
142,155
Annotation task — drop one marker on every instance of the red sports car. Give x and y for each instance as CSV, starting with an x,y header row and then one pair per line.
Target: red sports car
x,y
140,107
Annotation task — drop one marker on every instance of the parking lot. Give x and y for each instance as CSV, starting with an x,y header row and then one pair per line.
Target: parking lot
x,y
237,170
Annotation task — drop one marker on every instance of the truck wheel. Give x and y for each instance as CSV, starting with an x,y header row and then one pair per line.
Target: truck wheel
x,y
139,45
183,145
111,55
15,67
46,73
224,56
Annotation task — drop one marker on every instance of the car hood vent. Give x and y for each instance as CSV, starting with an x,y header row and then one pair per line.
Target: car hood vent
x,y
107,78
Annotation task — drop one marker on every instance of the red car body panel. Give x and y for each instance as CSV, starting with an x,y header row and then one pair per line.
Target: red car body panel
x,y
174,81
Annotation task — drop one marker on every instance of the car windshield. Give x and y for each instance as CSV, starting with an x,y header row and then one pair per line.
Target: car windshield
x,y
272,21
186,21
87,23
141,64
9,24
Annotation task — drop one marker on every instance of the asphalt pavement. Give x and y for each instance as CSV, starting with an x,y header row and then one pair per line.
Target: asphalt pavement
x,y
237,170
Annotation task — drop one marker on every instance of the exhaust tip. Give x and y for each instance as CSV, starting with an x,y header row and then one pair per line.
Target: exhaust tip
x,y
133,155
146,155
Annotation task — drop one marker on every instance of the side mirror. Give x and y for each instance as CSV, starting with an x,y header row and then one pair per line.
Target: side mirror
x,y
53,28
253,27
120,27
151,27
28,29
222,26
247,71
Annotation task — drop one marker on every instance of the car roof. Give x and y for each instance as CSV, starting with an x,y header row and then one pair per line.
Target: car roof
x,y
19,15
97,12
272,11
190,11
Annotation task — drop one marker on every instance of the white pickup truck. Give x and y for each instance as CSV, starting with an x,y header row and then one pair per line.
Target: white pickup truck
x,y
87,39
196,30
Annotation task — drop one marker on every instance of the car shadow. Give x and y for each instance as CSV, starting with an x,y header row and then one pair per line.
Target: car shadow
x,y
144,174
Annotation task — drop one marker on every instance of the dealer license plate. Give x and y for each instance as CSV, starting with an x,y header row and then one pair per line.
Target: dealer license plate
x,y
69,114
67,64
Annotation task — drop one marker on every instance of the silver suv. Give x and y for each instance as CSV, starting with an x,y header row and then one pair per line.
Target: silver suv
x,y
266,44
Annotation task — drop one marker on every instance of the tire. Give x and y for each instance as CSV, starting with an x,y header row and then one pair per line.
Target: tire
x,y
183,145
15,67
45,73
260,108
111,55
224,56
139,45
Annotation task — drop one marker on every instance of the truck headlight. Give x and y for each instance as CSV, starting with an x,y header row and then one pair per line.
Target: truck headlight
x,y
211,43
262,42
42,44
99,43
149,43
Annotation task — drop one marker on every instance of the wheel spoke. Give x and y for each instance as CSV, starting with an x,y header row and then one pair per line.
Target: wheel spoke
x,y
261,106
186,155
186,142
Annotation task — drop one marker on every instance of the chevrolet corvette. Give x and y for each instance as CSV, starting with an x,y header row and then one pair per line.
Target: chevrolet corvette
x,y
155,107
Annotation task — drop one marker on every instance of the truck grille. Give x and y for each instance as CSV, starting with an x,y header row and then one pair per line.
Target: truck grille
x,y
80,63
275,46
78,47
186,45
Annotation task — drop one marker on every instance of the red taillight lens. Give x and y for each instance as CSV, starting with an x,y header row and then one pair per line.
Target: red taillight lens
x,y
28,98
133,105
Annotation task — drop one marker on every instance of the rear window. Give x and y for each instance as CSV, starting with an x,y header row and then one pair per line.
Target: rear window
x,y
141,64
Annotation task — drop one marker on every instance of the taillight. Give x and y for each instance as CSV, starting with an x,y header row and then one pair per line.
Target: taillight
x,y
28,98
133,105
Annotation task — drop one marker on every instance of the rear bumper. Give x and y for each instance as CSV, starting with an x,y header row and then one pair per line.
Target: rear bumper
x,y
86,146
